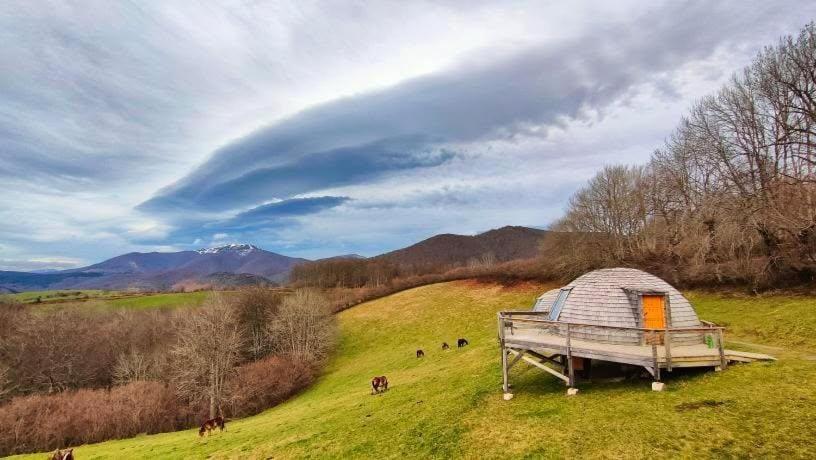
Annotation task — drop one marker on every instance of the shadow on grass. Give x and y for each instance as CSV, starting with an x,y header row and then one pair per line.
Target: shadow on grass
x,y
604,377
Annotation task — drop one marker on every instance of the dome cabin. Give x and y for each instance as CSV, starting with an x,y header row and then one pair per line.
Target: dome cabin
x,y
618,315
622,298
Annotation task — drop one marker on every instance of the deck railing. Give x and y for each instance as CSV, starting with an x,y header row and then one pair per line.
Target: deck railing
x,y
509,321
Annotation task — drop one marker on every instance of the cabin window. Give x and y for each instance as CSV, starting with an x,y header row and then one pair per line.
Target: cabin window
x,y
558,304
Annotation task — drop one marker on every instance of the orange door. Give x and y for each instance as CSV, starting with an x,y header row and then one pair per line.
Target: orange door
x,y
654,312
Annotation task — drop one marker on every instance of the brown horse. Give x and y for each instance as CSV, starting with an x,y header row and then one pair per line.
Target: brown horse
x,y
461,343
67,454
210,425
445,346
379,384
420,354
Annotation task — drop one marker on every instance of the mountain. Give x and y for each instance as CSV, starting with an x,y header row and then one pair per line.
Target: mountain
x,y
503,244
161,271
240,264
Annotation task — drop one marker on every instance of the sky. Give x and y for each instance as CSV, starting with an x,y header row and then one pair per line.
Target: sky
x,y
314,129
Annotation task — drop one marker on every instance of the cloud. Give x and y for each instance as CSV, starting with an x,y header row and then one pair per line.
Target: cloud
x,y
496,95
242,226
40,263
450,122
276,214
299,175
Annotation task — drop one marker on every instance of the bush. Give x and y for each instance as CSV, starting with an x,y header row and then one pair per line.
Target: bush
x,y
43,423
260,385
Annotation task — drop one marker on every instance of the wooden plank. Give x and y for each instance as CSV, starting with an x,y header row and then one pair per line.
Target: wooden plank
x,y
543,367
746,356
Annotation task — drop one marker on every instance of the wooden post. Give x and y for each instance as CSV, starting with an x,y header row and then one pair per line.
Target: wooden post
x,y
569,359
505,382
655,363
720,342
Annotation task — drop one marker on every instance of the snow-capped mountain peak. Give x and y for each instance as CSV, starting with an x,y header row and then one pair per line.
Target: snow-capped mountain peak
x,y
240,249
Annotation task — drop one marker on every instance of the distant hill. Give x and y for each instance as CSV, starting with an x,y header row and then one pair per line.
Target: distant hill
x,y
503,244
234,264
240,264
343,257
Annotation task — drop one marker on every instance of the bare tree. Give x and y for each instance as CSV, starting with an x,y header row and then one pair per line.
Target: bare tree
x,y
732,194
132,366
208,349
304,326
255,308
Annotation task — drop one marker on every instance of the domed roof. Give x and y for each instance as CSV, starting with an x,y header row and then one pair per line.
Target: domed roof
x,y
611,297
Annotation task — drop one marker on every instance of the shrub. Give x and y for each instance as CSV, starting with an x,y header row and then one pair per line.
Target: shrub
x,y
47,422
262,384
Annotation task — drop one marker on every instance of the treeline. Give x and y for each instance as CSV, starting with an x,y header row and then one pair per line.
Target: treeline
x,y
378,273
346,273
69,377
728,199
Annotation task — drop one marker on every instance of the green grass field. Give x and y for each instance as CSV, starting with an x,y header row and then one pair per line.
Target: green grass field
x,y
97,299
171,300
109,300
450,404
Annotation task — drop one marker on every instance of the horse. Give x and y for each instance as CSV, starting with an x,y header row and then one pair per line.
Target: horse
x,y
461,343
420,354
445,346
379,384
211,424
67,454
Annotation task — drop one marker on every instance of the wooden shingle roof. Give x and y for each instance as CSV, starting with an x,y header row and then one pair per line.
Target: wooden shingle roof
x,y
611,297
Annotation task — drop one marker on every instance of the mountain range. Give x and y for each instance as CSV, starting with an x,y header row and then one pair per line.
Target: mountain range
x,y
239,264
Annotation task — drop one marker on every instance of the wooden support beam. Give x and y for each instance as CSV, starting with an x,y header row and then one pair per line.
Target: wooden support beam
x,y
721,343
667,333
549,359
505,381
541,366
571,381
655,364
516,359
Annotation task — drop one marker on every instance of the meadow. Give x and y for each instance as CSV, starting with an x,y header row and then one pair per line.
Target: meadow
x,y
108,300
449,404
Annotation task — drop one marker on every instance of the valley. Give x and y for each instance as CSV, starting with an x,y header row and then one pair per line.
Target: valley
x,y
449,404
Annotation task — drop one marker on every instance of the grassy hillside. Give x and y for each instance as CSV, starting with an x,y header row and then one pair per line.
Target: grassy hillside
x,y
449,404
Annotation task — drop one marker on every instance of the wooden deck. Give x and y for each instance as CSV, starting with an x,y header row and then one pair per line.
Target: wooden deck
x,y
540,342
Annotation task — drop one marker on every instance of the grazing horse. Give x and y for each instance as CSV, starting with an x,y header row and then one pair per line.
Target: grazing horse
x,y
67,454
379,384
211,424
445,346
420,354
461,343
